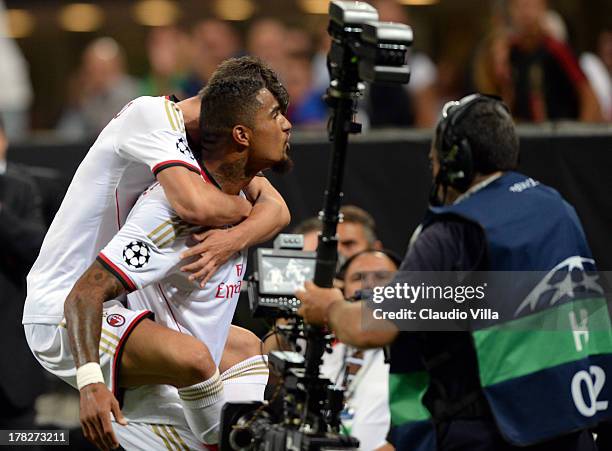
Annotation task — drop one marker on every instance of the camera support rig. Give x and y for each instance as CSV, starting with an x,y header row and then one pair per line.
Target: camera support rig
x,y
308,418
362,49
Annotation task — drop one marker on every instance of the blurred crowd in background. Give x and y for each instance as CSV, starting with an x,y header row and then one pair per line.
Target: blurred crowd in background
x,y
74,80
526,57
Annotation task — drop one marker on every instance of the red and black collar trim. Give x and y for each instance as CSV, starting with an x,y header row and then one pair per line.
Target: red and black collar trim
x,y
173,98
208,176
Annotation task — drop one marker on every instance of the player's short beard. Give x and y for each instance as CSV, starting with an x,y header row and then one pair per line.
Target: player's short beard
x,y
284,166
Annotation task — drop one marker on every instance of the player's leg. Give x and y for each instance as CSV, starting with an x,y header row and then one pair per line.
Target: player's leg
x,y
244,370
243,367
135,351
155,354
241,344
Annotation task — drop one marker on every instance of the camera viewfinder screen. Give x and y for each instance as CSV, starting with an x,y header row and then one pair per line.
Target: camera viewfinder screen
x,y
284,275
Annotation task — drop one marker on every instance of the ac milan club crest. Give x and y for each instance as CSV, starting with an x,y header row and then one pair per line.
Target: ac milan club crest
x,y
115,320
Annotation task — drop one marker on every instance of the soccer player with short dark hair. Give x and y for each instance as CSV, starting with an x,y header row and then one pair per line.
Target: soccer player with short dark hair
x,y
127,349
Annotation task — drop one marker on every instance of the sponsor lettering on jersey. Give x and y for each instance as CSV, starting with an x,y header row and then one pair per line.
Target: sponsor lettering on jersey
x,y
239,269
228,290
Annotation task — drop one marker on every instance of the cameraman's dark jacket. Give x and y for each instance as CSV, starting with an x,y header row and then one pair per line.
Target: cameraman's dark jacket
x,y
512,224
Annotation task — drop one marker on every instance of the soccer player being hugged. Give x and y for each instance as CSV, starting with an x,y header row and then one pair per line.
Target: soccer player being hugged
x,y
91,340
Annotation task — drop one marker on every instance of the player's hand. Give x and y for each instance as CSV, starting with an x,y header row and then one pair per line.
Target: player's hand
x,y
316,301
215,248
97,403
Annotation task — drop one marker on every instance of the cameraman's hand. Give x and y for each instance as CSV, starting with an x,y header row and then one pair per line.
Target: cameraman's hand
x,y
215,248
97,403
316,302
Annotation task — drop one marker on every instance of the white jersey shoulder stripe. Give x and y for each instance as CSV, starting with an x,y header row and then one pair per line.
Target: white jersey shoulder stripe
x,y
171,115
175,117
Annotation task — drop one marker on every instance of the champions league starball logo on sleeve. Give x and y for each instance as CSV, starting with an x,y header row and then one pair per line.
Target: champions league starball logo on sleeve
x,y
183,147
136,254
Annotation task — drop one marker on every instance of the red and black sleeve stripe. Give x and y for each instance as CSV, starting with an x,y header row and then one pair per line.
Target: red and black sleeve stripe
x,y
125,280
170,163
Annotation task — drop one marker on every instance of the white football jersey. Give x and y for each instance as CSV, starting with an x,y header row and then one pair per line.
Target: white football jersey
x,y
145,256
146,136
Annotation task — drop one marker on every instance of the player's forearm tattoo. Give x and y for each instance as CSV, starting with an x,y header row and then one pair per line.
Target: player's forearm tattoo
x,y
83,311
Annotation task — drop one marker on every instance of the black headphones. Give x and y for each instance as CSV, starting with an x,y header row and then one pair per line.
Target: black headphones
x,y
453,147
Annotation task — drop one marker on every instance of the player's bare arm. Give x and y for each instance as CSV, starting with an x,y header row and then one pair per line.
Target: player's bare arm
x,y
270,212
269,216
198,202
83,313
191,198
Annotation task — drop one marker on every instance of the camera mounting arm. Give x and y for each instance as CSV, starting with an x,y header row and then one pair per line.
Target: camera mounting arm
x,y
342,94
362,49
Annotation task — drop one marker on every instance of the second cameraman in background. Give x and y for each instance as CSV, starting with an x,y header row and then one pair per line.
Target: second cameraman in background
x,y
363,374
482,223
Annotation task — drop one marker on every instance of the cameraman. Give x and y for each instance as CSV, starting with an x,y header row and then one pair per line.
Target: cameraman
x,y
486,218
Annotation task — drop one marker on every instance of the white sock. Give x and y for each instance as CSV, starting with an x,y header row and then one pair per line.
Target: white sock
x,y
246,381
202,405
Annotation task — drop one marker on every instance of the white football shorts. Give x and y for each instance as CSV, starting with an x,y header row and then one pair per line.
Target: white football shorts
x,y
51,346
157,437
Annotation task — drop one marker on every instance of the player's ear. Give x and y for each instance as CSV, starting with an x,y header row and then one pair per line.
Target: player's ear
x,y
242,135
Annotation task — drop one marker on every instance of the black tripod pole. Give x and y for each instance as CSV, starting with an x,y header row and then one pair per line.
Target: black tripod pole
x,y
343,103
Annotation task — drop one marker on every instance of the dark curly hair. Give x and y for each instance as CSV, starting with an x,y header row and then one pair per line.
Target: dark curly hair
x,y
229,98
490,131
252,67
225,103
